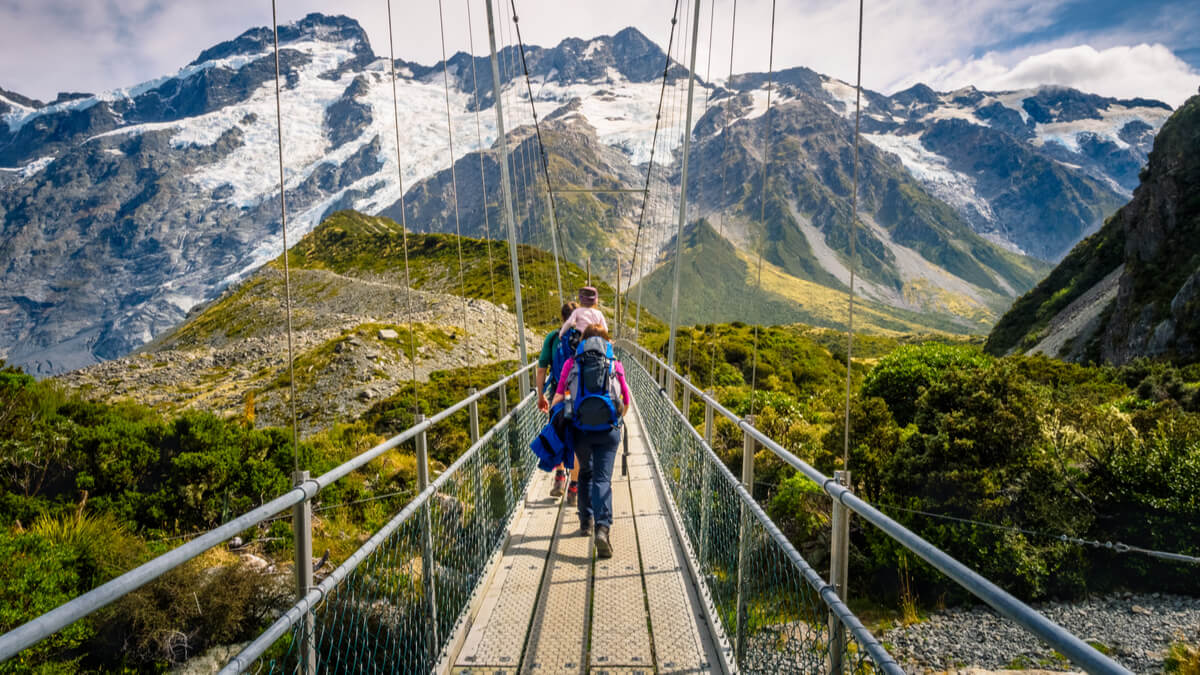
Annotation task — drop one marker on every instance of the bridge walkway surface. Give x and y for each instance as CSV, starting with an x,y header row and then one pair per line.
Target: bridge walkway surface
x,y
551,606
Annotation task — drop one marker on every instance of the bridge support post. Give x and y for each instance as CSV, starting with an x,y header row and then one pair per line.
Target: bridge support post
x,y
302,552
706,483
744,528
839,562
687,403
506,186
474,409
706,479
427,562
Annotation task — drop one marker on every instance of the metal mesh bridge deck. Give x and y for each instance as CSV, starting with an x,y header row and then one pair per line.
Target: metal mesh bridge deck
x,y
551,606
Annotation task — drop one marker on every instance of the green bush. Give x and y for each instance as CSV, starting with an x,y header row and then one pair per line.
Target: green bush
x,y
978,452
900,377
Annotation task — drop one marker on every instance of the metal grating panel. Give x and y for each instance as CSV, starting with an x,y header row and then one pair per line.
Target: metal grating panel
x,y
619,633
498,633
558,634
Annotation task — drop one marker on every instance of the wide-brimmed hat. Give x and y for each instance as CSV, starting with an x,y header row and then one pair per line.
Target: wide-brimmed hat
x,y
588,296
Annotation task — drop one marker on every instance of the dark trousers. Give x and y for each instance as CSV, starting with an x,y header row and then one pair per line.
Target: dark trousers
x,y
596,452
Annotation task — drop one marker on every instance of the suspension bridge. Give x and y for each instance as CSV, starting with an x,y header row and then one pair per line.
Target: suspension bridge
x,y
482,572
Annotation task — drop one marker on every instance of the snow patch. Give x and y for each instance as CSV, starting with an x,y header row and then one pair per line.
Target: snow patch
x,y
1108,128
30,169
591,49
934,173
844,94
623,119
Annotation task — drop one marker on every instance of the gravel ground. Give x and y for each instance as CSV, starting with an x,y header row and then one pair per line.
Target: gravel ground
x,y
1136,630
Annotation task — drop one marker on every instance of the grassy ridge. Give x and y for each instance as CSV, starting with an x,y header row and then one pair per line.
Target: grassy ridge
x,y
720,283
354,244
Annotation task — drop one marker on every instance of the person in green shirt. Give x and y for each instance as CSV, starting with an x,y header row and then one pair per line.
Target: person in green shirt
x,y
545,361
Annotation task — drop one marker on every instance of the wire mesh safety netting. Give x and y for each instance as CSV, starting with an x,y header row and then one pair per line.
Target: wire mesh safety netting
x,y
770,603
395,611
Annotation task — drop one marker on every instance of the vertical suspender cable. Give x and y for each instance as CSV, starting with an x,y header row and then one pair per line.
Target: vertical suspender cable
x,y
287,275
487,229
506,187
853,235
687,146
724,172
412,329
637,240
762,215
462,283
542,149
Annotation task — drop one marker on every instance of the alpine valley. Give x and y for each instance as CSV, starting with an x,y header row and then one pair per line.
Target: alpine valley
x,y
123,211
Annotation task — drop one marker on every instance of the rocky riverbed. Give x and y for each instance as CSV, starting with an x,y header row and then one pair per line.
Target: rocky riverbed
x,y
1135,630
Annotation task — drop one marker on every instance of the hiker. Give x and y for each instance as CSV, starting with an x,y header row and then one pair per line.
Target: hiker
x,y
587,314
599,399
555,352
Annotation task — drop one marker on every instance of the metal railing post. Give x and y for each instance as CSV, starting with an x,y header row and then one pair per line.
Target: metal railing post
x,y
744,545
839,562
427,562
706,483
302,556
474,411
687,403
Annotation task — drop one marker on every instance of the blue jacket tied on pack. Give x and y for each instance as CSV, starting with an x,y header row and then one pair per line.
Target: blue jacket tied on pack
x,y
551,445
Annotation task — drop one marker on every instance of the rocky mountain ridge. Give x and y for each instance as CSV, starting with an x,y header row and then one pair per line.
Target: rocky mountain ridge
x,y
123,210
1133,288
355,322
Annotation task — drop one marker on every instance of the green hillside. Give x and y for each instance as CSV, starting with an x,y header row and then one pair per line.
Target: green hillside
x,y
355,244
720,283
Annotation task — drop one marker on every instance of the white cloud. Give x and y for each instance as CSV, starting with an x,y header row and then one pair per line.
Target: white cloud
x,y
1149,71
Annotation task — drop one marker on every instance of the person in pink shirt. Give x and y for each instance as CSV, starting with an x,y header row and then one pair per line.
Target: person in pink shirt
x,y
586,314
595,440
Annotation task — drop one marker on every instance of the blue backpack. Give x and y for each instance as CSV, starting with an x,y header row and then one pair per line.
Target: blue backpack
x,y
563,350
595,397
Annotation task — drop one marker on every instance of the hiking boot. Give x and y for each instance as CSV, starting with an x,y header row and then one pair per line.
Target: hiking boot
x,y
560,481
585,526
603,548
573,495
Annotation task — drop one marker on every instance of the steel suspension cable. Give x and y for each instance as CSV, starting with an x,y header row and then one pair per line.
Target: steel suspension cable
x,y
762,214
287,274
672,127
853,235
554,234
462,283
487,230
506,70
650,167
724,172
412,329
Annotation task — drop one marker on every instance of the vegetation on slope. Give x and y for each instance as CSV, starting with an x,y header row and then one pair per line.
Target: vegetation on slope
x,y
719,282
351,243
1111,454
1092,259
89,490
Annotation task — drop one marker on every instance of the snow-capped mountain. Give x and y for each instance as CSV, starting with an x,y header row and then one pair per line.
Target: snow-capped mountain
x,y
123,210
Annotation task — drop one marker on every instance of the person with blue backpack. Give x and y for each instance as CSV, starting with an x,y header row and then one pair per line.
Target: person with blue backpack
x,y
592,384
555,352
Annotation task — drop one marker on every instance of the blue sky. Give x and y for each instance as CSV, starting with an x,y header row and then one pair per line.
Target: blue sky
x,y
1104,46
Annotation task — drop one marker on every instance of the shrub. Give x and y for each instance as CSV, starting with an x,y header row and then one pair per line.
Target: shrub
x,y
900,377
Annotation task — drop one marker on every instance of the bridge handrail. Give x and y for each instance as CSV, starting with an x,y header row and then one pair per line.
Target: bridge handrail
x,y
1003,602
296,612
827,592
41,627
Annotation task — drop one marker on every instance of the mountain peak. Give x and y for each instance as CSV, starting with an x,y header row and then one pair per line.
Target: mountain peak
x,y
7,96
315,26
